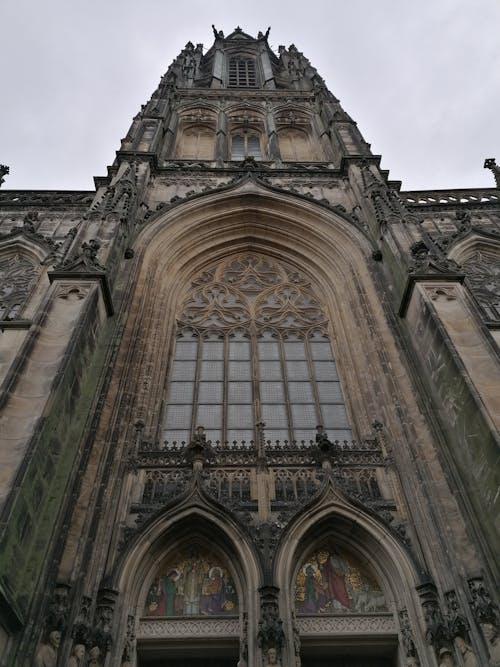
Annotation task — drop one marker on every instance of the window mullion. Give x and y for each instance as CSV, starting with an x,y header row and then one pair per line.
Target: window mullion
x,y
254,352
194,411
226,387
312,377
284,377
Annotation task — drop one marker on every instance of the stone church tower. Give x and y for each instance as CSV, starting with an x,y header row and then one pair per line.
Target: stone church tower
x,y
249,393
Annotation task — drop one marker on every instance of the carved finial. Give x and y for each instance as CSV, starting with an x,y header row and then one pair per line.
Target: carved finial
x,y
490,163
4,170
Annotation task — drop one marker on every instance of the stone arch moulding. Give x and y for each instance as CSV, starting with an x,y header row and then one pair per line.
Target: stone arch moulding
x,y
178,533
323,246
368,544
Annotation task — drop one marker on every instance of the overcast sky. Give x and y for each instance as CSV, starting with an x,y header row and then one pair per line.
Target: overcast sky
x,y
420,77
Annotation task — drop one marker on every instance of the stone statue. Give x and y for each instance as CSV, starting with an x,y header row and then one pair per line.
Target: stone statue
x,y
94,657
46,656
446,658
467,653
271,658
493,641
77,658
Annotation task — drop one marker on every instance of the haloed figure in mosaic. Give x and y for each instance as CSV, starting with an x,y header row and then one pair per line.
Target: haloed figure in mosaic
x,y
193,584
330,581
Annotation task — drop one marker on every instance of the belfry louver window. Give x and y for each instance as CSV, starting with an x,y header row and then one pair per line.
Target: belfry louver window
x,y
253,348
245,145
242,73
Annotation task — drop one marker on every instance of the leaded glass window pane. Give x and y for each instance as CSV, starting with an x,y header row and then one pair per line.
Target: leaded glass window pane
x,y
240,416
334,416
183,370
209,416
239,392
186,350
212,350
275,416
269,351
297,370
213,435
181,392
304,416
329,392
305,434
325,370
321,351
270,370
272,392
239,370
211,392
276,435
178,416
212,370
340,434
239,350
240,435
172,436
300,392
295,350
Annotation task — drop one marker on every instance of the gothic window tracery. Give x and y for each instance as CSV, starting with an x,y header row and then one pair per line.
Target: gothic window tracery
x,y
253,347
483,276
18,276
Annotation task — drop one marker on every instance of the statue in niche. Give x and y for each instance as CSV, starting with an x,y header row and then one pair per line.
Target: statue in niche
x,y
272,658
94,657
77,658
192,585
46,656
468,655
331,582
446,658
492,637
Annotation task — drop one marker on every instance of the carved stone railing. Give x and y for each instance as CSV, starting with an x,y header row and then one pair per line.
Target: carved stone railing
x,y
81,198
447,198
278,453
188,627
346,624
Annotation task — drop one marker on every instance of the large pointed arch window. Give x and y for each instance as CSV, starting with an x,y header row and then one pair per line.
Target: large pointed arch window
x,y
253,348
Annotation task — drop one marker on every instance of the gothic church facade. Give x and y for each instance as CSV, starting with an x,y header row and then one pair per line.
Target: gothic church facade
x,y
249,393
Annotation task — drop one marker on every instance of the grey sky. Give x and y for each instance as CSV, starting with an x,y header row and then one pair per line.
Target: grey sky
x,y
422,79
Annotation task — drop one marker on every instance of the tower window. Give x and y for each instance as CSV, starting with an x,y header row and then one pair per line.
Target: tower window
x,y
253,348
245,145
242,73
